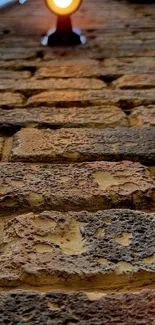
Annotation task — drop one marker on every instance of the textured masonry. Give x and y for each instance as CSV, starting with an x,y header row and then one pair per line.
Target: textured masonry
x,y
90,186
79,250
77,168
55,117
84,145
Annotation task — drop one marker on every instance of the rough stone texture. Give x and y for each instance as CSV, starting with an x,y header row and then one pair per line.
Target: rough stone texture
x,y
94,97
91,186
69,69
92,116
143,116
33,84
11,99
15,75
56,308
79,250
144,81
120,42
1,145
84,145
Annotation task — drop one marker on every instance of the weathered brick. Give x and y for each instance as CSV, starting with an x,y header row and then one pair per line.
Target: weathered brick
x,y
17,53
84,145
8,74
90,186
11,99
143,116
1,145
79,250
33,84
93,116
56,308
94,97
69,69
139,81
132,65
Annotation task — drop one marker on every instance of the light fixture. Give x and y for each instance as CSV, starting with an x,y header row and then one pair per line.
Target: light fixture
x,y
64,33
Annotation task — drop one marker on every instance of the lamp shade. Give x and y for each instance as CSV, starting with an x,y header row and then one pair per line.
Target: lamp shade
x,y
63,7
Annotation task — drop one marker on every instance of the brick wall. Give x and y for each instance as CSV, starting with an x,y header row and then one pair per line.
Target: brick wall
x,y
77,157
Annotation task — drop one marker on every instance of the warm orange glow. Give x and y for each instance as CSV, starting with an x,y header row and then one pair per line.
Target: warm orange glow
x,y
63,7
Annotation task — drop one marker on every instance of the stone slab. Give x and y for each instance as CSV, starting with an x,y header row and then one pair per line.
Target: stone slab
x,y
142,116
33,84
138,81
1,145
65,145
87,186
125,99
14,75
91,116
8,99
106,250
56,308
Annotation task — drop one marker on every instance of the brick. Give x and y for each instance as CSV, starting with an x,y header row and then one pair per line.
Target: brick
x,y
1,146
144,81
77,308
126,98
17,53
33,84
143,116
92,116
69,69
15,75
87,186
132,65
11,99
84,145
79,250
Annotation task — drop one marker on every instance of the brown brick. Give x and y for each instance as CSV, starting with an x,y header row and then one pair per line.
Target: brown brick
x,y
69,69
143,116
93,116
141,81
77,308
90,186
79,250
15,75
94,97
18,53
1,145
33,84
84,145
11,99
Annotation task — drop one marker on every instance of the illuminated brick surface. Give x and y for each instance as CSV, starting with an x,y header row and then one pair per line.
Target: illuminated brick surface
x,y
77,167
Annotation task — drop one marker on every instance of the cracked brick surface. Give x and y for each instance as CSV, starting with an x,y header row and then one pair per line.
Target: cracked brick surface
x,y
92,186
84,145
79,249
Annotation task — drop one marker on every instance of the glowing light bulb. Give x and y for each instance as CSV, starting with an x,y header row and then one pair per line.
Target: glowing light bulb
x,y
63,7
62,3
